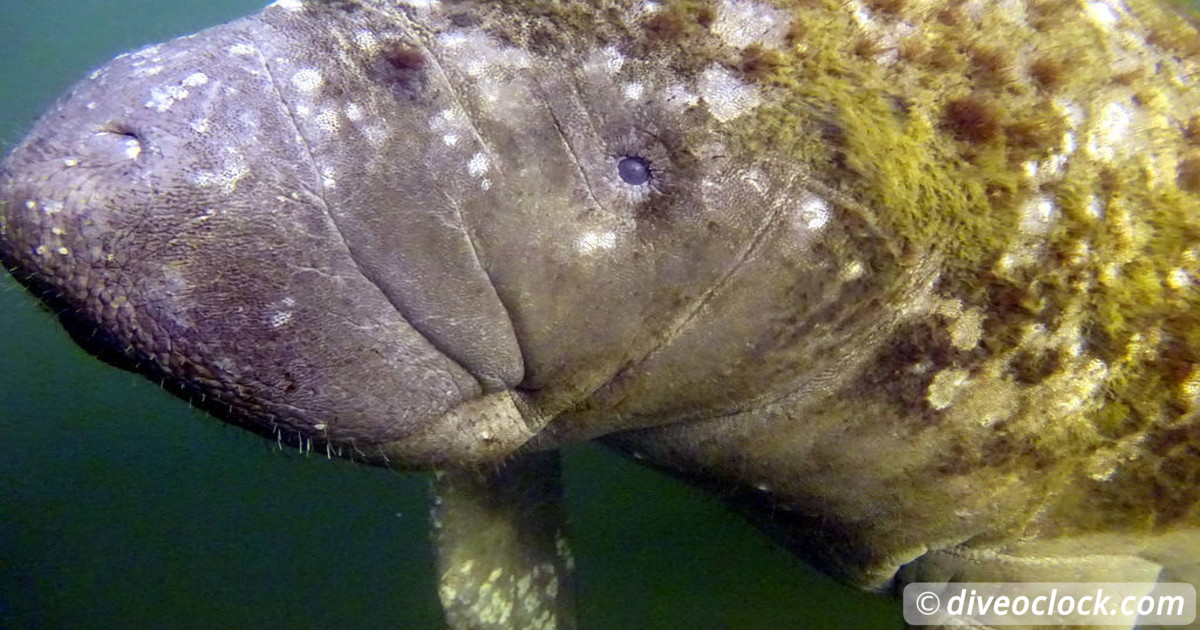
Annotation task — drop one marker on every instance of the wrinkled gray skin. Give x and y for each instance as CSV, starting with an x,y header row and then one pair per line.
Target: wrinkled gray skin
x,y
377,231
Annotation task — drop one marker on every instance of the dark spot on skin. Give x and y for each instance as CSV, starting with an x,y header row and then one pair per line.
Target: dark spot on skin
x,y
1175,38
681,20
795,33
634,170
1037,132
1044,16
892,7
1030,367
541,40
1163,484
900,105
464,19
833,136
912,49
758,63
1047,73
1009,306
665,24
1101,344
404,58
1109,181
1191,130
904,367
939,58
1125,78
999,193
951,15
999,449
970,119
1003,449
402,67
1175,361
315,7
991,67
870,46
1188,176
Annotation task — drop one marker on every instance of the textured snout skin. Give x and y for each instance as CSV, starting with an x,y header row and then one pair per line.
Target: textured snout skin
x,y
172,196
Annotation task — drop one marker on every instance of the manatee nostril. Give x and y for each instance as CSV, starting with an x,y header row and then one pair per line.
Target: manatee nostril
x,y
127,141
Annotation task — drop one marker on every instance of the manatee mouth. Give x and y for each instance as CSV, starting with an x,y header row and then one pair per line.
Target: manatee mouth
x,y
186,226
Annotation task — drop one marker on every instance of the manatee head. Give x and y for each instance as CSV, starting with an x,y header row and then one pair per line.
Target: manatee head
x,y
359,225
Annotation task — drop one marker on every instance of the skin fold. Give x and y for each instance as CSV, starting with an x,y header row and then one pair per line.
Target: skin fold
x,y
911,285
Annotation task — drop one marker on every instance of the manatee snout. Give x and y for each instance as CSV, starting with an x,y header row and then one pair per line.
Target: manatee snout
x,y
172,210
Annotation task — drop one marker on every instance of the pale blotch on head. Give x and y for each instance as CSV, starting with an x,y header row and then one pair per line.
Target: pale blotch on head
x,y
451,124
133,148
241,49
307,79
967,329
151,71
605,62
328,120
477,54
424,5
478,165
366,41
1109,137
163,97
1101,14
377,133
232,171
945,386
740,24
595,242
1039,215
811,213
448,119
279,318
329,177
195,79
678,98
888,33
1179,279
727,96
1190,387
288,5
852,271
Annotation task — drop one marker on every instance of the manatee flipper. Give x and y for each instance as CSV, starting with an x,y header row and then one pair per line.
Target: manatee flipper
x,y
500,536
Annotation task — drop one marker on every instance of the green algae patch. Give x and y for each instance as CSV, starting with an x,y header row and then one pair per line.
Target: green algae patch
x,y
1043,156
1001,145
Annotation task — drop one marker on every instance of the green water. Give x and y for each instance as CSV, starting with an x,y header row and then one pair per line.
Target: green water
x,y
120,507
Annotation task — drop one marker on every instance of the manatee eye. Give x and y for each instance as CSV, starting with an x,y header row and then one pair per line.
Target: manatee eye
x,y
634,170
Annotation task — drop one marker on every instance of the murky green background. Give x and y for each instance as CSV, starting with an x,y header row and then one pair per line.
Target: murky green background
x,y
120,507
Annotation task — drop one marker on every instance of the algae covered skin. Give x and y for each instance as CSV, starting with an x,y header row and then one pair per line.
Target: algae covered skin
x,y
910,282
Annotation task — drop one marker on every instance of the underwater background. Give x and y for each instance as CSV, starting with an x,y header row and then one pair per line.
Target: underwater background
x,y
121,507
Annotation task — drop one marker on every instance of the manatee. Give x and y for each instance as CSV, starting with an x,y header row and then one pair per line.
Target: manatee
x,y
911,285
